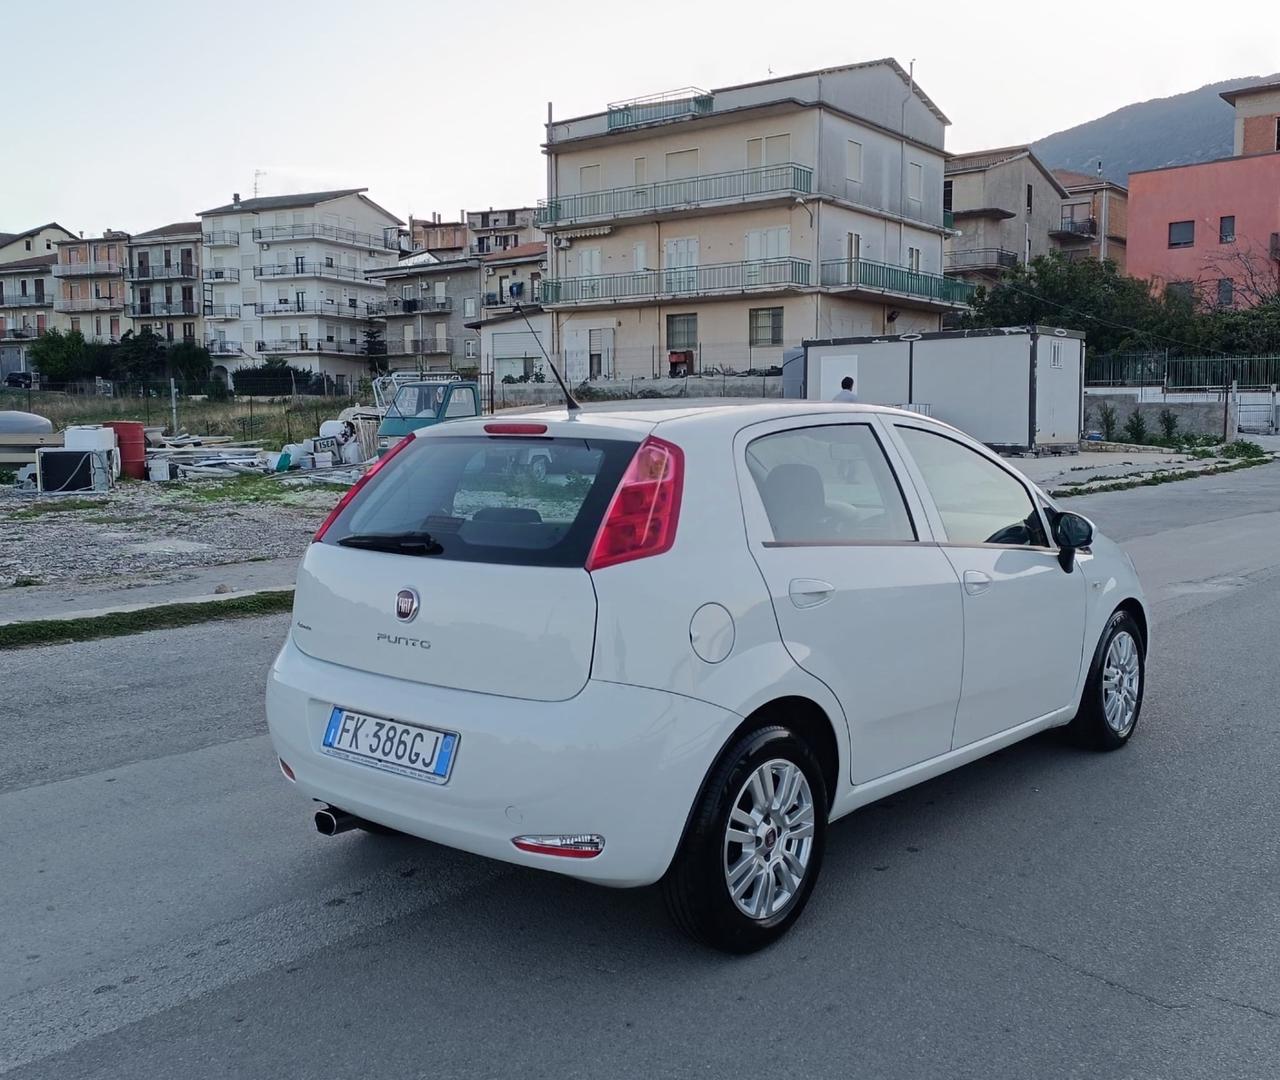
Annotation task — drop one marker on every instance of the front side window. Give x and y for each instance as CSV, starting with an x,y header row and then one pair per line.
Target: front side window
x,y
766,326
978,501
462,402
828,485
1182,234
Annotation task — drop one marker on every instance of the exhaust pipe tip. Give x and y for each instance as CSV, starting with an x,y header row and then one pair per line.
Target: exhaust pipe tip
x,y
330,821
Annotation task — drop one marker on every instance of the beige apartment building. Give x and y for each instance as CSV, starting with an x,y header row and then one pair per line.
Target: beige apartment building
x,y
32,243
1095,218
26,307
91,288
704,230
163,275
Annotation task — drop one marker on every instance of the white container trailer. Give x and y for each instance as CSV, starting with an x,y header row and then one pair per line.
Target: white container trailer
x,y
1017,388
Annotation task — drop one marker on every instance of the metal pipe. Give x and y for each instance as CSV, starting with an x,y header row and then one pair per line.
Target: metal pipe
x,y
330,821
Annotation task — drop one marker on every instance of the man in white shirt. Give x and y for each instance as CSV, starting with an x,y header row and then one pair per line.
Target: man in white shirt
x,y
845,393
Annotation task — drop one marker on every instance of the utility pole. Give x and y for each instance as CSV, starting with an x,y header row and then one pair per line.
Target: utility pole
x,y
1102,244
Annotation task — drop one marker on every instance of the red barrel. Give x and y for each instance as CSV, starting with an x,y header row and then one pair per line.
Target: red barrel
x,y
133,447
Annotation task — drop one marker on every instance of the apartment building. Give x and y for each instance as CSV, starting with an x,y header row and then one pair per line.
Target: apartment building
x,y
500,230
715,228
162,276
1212,230
26,307
514,328
91,285
287,276
1006,207
443,239
425,312
32,243
1095,218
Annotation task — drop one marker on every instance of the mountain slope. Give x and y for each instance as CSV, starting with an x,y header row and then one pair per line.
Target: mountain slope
x,y
1178,130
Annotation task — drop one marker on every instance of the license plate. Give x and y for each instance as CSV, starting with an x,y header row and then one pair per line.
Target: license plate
x,y
408,749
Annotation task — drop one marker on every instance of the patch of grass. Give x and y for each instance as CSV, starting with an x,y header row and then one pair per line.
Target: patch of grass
x,y
25,581
245,489
165,617
1155,479
1242,448
8,477
60,506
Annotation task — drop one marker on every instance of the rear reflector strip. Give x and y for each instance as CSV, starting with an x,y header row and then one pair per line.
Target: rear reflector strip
x,y
570,846
515,429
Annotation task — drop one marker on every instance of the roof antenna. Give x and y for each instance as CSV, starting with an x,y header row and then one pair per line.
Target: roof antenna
x,y
570,402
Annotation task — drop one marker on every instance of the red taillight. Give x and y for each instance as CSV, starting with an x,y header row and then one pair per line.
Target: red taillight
x,y
641,519
351,494
515,429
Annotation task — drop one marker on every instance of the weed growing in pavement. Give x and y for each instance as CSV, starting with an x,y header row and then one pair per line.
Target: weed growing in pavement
x,y
1242,448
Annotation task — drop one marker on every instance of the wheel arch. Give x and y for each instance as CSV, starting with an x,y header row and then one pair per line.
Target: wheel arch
x,y
1132,606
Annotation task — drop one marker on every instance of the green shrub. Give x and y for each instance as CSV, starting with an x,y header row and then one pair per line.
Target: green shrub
x,y
1135,429
1242,448
1108,419
1169,424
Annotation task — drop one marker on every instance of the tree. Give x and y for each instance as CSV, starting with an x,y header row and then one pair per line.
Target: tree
x,y
59,357
140,357
189,362
375,348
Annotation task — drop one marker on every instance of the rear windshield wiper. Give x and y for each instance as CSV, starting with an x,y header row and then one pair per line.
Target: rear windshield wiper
x,y
405,543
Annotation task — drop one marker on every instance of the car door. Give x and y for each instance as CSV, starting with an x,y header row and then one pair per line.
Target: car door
x,y
1024,615
864,600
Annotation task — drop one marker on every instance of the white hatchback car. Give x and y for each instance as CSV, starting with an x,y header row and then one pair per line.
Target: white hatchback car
x,y
703,636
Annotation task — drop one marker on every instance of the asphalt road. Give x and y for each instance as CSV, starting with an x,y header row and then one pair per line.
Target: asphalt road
x,y
167,911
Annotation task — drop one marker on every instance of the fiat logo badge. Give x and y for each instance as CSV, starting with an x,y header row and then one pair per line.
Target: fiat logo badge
x,y
407,604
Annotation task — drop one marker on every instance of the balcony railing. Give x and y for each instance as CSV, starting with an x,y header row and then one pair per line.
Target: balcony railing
x,y
1083,227
30,300
948,219
159,309
90,303
221,273
309,269
673,105
980,259
411,305
222,347
181,271
883,277
738,186
681,281
294,307
21,333
87,269
299,345
428,346
222,311
316,231
222,238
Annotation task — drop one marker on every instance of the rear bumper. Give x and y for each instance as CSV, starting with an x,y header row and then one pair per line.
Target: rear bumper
x,y
621,761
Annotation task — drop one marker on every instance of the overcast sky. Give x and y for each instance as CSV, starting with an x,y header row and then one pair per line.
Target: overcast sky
x,y
138,113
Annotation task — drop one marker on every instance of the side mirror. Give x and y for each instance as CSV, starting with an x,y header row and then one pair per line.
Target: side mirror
x,y
1071,532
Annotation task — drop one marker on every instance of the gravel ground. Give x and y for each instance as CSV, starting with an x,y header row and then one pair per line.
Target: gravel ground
x,y
140,530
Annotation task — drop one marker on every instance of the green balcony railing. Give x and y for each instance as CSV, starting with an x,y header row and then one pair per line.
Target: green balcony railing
x,y
948,219
855,273
669,106
665,194
680,281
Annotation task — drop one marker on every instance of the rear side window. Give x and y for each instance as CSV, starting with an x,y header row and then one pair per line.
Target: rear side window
x,y
979,502
828,485
523,501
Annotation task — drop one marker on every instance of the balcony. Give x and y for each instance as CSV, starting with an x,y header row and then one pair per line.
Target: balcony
x,y
899,280
760,274
222,347
325,310
181,272
673,105
21,333
316,231
221,273
749,186
13,300
222,238
948,219
222,311
306,345
1075,229
100,267
303,268
979,259
428,346
160,309
411,305
89,303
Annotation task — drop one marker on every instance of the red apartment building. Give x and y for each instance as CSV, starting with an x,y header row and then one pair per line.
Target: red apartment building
x,y
1213,229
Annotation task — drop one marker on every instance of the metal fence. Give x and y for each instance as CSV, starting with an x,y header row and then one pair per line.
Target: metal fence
x,y
1183,373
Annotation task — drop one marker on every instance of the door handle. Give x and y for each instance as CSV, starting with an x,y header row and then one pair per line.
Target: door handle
x,y
976,582
809,592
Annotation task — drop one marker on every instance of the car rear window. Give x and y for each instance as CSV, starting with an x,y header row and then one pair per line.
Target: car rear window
x,y
522,500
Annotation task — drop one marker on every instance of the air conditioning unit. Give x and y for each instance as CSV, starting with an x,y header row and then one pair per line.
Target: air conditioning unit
x,y
488,271
561,241
265,247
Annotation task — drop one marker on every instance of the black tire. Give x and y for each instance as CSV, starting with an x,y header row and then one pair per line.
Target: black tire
x,y
1090,728
695,887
